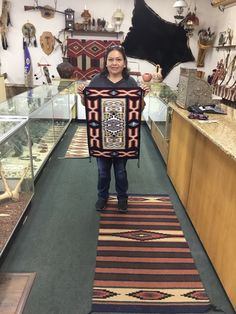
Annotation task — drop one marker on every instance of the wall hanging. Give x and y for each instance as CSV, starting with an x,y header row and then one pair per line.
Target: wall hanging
x,y
87,56
47,42
29,35
4,23
28,70
158,41
205,41
46,11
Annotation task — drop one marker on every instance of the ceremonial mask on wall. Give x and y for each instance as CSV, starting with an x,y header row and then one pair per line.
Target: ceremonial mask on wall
x,y
47,42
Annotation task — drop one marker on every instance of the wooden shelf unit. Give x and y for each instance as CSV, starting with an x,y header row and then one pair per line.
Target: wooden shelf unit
x,y
225,47
96,33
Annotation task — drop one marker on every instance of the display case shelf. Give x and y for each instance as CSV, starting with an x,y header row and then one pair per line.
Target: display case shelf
x,y
48,108
157,115
16,175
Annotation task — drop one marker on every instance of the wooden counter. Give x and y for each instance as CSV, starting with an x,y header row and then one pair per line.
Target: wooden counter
x,y
202,167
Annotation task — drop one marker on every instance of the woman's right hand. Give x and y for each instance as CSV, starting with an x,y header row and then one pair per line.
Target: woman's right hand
x,y
80,89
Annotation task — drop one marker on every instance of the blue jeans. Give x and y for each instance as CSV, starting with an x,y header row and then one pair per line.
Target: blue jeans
x,y
104,177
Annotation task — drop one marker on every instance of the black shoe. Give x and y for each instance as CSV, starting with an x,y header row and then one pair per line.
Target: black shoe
x,y
101,204
123,205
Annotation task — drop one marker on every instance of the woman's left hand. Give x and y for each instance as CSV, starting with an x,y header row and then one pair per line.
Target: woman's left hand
x,y
146,89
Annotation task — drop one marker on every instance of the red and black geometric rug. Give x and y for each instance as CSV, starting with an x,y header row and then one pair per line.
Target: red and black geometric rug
x,y
78,147
113,120
144,263
87,56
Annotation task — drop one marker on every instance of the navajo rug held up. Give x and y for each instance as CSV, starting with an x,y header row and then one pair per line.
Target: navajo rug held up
x,y
87,56
78,147
143,263
113,121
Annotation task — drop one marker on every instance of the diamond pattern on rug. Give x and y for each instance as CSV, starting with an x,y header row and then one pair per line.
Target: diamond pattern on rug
x,y
150,295
154,275
78,147
113,120
142,235
87,56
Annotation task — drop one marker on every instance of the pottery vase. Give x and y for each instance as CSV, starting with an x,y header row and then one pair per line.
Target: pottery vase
x,y
157,75
147,77
65,69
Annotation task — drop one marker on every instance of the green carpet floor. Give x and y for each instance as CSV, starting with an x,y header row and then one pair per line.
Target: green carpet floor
x,y
58,239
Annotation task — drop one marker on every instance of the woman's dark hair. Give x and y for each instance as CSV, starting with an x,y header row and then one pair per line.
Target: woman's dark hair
x,y
125,72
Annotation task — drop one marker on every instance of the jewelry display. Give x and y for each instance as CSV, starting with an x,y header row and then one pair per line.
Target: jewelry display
x,y
16,175
31,124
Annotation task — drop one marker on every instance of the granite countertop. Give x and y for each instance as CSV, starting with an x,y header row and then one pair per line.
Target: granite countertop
x,y
222,132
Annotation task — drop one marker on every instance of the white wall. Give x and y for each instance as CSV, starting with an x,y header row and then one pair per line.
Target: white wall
x,y
12,59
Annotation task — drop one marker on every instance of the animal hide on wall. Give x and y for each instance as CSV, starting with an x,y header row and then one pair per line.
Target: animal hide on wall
x,y
158,41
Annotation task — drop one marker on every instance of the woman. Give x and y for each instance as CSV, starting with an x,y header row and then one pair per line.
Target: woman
x,y
115,74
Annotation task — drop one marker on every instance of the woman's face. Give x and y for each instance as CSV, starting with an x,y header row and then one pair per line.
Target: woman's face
x,y
115,62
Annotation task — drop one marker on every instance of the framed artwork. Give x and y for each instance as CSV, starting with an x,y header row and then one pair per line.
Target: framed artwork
x,y
113,121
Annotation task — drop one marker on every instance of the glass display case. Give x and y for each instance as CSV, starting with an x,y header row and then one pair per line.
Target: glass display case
x,y
157,115
48,108
16,175
69,87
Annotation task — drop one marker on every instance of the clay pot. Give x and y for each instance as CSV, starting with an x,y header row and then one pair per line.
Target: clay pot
x,y
147,77
65,69
157,76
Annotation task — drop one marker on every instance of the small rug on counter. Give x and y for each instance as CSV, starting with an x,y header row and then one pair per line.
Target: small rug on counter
x,y
78,147
14,290
144,263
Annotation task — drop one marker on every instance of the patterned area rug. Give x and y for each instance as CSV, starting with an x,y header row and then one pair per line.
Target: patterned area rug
x,y
113,120
78,147
143,263
14,290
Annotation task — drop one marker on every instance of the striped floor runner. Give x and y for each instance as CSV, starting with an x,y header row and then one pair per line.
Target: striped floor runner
x,y
143,263
78,147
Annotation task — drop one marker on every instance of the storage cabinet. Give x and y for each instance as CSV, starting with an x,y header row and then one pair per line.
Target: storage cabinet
x,y
211,207
180,158
202,167
16,175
